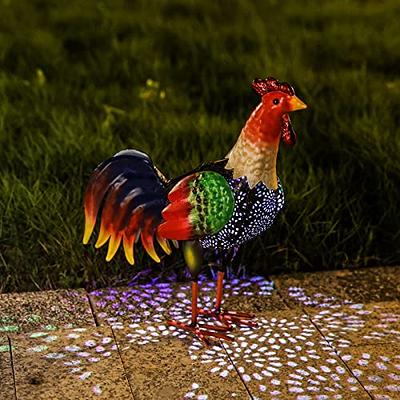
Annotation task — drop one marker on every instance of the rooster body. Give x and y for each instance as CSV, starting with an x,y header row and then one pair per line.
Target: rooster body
x,y
219,205
254,212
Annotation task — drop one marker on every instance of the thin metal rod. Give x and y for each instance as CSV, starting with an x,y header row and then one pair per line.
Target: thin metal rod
x,y
220,286
195,295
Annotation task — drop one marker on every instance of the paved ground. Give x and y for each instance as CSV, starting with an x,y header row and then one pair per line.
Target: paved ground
x,y
330,335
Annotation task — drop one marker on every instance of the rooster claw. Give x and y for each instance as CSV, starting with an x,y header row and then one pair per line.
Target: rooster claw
x,y
203,331
228,317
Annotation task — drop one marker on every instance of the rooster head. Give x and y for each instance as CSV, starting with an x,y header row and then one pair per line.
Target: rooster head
x,y
280,99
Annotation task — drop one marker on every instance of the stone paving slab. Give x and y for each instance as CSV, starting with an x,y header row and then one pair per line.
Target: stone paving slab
x,y
310,290
369,285
377,367
164,363
306,323
6,375
359,324
332,288
255,295
287,358
26,312
160,302
140,303
81,363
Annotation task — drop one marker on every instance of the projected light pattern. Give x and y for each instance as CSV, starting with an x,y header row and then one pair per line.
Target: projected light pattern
x,y
47,310
155,302
279,346
341,327
77,350
285,356
320,300
194,393
379,373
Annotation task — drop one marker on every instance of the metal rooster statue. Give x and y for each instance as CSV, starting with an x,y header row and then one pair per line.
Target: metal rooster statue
x,y
219,205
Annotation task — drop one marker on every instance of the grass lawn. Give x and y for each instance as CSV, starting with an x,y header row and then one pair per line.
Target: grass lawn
x,y
80,81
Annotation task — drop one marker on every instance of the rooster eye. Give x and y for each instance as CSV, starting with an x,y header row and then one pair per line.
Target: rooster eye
x,y
275,101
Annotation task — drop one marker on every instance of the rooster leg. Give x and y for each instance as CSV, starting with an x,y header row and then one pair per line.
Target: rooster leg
x,y
203,331
192,254
227,317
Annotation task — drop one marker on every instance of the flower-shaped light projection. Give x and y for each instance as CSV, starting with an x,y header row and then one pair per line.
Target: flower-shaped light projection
x,y
155,302
319,300
284,357
359,324
280,346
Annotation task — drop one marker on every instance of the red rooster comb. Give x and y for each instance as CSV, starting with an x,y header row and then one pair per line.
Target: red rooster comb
x,y
270,84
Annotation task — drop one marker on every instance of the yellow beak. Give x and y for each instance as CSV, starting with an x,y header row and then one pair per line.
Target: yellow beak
x,y
296,104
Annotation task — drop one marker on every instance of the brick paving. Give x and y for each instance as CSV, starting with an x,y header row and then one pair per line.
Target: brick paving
x,y
325,335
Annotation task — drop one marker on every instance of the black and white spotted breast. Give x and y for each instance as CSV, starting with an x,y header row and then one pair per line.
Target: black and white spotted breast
x,y
254,212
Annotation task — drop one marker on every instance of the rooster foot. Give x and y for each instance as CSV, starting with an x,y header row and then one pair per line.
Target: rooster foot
x,y
227,318
203,331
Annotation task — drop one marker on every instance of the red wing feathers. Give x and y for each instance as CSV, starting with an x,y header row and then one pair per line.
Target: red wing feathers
x,y
200,205
176,223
